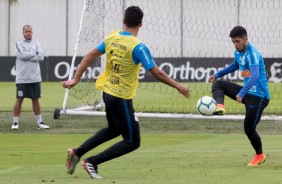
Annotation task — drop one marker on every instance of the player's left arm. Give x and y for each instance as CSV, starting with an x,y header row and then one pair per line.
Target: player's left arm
x,y
39,53
254,71
163,77
142,54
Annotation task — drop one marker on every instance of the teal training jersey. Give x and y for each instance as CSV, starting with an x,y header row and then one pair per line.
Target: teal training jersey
x,y
248,58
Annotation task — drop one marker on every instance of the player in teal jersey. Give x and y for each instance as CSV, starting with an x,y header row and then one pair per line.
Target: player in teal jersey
x,y
254,93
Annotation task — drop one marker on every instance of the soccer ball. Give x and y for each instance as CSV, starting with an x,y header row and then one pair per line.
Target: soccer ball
x,y
206,106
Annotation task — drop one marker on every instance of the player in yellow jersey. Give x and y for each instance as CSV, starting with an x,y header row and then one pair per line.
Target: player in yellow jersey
x,y
125,55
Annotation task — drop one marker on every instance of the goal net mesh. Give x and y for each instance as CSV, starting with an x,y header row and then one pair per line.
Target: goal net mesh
x,y
188,39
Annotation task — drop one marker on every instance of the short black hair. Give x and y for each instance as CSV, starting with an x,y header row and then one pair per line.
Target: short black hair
x,y
238,31
133,16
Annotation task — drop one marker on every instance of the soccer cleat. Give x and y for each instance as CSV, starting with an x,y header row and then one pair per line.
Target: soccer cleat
x,y
42,126
257,160
15,126
219,110
72,161
92,170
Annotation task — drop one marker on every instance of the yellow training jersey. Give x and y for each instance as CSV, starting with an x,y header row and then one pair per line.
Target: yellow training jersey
x,y
120,77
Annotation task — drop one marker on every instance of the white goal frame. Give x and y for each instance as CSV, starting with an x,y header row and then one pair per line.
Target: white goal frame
x,y
97,107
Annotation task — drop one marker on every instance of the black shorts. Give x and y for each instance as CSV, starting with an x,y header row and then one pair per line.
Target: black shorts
x,y
122,118
29,90
254,105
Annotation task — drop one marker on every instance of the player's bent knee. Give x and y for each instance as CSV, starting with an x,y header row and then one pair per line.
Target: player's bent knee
x,y
137,145
216,84
132,144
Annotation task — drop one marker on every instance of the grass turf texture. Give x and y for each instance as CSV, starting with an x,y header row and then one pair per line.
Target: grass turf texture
x,y
162,158
172,151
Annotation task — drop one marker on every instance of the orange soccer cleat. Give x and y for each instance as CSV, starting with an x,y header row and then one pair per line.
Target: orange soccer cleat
x,y
257,160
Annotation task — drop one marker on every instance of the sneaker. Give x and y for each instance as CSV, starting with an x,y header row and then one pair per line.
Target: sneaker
x,y
15,126
257,160
42,126
72,160
219,111
92,170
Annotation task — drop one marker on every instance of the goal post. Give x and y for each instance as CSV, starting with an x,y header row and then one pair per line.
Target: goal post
x,y
189,40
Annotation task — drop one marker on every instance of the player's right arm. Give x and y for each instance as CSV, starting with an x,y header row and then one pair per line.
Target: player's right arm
x,y
229,69
86,61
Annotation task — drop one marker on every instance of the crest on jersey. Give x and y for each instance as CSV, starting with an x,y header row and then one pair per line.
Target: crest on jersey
x,y
20,93
242,58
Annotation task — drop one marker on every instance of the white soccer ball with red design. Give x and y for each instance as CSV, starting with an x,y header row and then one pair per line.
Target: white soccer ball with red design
x,y
206,105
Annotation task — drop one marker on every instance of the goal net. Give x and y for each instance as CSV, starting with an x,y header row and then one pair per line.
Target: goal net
x,y
189,40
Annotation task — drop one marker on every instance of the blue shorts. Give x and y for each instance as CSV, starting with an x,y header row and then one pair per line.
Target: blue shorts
x,y
29,90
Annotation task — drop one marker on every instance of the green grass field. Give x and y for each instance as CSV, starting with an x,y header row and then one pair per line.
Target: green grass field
x,y
162,158
172,150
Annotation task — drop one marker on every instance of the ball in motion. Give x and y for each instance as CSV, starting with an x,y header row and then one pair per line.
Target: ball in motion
x,y
206,106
